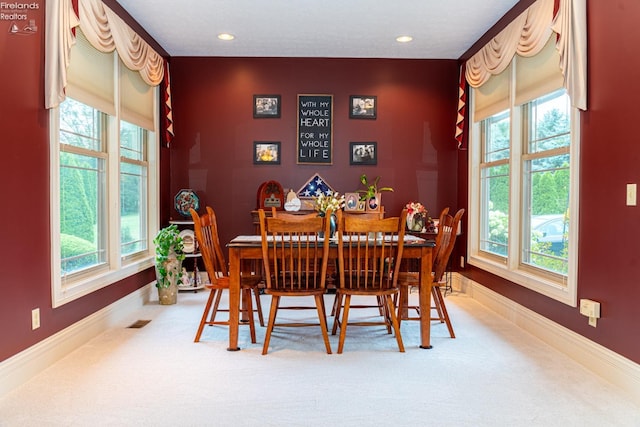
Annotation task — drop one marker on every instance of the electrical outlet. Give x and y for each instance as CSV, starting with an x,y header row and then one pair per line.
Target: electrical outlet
x,y
631,194
35,318
591,309
461,262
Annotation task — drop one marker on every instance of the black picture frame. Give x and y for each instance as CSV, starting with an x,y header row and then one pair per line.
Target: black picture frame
x,y
363,107
363,153
266,152
266,106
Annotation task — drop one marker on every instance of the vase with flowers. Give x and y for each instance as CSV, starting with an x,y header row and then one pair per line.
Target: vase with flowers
x,y
417,216
330,201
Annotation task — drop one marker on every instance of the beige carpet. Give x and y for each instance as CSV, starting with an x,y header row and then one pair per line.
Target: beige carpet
x,y
492,374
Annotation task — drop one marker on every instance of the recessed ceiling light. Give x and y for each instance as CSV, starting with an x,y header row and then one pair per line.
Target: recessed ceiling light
x,y
404,39
226,36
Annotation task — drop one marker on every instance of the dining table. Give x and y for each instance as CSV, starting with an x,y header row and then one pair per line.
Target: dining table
x,y
249,248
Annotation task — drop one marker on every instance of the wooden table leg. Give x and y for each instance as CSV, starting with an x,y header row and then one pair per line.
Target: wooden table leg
x,y
425,298
234,298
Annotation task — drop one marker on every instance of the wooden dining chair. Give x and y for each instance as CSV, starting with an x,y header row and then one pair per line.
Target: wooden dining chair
x,y
295,262
369,258
445,242
410,276
206,231
379,214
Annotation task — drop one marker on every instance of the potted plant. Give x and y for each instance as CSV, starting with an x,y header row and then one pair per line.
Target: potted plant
x,y
371,193
169,256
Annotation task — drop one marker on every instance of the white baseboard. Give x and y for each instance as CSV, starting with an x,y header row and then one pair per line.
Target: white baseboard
x,y
609,365
23,366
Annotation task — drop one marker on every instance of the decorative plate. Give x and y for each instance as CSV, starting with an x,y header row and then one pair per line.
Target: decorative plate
x,y
188,241
185,200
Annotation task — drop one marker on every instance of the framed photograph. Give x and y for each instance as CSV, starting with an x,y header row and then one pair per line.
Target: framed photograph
x,y
266,106
352,202
363,153
363,107
266,152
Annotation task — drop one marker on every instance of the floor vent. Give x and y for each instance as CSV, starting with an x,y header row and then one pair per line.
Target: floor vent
x,y
139,324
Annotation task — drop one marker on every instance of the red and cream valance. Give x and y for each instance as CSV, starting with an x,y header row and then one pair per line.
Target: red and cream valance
x,y
105,31
527,36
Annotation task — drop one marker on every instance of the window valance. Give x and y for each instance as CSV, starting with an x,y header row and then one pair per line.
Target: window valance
x,y
527,36
105,31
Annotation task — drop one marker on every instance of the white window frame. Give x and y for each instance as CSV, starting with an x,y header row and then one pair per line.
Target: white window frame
x,y
142,163
512,270
65,290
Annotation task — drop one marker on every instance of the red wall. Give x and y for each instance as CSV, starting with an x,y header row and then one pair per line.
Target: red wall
x,y
215,129
609,257
25,247
212,104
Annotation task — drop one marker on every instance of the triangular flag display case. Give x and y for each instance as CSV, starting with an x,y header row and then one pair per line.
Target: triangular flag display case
x,y
315,186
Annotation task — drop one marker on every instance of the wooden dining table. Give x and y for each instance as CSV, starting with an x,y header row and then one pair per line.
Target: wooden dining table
x,y
249,248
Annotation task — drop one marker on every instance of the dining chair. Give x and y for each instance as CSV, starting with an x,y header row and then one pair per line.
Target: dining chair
x,y
410,277
362,215
295,263
206,231
369,258
445,242
290,214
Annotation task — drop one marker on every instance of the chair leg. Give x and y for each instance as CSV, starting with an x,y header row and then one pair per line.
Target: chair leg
x,y
203,320
445,313
272,319
323,322
437,303
337,304
394,322
246,295
256,292
384,312
402,303
218,293
343,324
381,305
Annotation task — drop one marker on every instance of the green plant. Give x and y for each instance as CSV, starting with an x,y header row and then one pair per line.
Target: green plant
x,y
371,188
169,255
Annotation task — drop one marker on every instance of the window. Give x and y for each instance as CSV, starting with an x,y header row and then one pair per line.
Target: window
x,y
104,194
523,169
83,187
495,184
546,183
133,189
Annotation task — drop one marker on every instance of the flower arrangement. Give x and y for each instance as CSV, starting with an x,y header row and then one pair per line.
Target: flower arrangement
x,y
330,200
414,208
417,216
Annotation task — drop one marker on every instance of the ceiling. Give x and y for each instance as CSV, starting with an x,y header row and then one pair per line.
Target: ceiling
x,y
441,29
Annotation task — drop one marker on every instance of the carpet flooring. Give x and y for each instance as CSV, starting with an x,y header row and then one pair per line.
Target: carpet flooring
x,y
492,374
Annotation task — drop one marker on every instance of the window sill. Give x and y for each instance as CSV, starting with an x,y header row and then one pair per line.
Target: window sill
x,y
564,293
67,291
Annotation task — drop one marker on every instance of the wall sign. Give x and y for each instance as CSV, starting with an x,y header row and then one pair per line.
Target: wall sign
x,y
315,129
